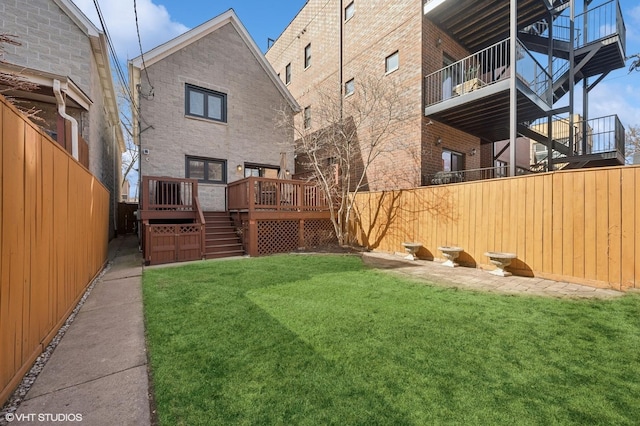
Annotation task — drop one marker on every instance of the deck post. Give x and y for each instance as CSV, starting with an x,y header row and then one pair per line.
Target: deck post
x,y
301,234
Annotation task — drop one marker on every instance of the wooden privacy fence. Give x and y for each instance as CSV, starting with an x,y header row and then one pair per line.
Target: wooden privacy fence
x,y
581,226
54,228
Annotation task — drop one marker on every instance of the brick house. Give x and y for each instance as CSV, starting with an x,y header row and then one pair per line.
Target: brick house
x,y
206,104
213,157
452,61
66,56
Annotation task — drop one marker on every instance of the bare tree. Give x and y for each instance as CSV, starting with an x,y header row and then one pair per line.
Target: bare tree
x,y
343,139
11,81
632,143
131,154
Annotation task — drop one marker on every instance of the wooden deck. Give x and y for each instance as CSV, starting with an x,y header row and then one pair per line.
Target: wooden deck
x,y
277,216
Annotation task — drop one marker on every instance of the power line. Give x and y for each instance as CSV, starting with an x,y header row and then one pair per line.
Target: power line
x,y
144,65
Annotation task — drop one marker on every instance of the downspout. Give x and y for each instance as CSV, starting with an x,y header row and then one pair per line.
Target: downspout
x,y
63,114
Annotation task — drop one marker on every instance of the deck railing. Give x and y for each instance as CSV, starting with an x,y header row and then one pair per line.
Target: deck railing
x,y
165,193
275,194
484,68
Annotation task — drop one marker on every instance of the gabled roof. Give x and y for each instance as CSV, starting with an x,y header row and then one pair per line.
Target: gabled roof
x,y
100,50
229,17
78,17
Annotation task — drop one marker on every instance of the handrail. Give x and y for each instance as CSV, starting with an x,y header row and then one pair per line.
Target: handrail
x,y
254,193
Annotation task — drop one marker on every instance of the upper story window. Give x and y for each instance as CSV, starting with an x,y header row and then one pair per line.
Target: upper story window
x,y
307,117
205,103
392,62
307,56
349,11
287,73
206,170
349,87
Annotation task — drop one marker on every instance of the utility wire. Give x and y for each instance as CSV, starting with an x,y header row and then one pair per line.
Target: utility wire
x,y
144,65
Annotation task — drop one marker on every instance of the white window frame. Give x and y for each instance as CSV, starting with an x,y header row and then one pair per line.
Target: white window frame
x,y
350,87
387,61
349,11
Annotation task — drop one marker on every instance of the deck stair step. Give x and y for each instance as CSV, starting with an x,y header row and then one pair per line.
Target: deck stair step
x,y
221,239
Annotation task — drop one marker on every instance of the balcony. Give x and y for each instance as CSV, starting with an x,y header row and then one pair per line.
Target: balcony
x,y
473,94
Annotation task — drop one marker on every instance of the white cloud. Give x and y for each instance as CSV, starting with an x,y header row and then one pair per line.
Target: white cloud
x,y
156,25
615,98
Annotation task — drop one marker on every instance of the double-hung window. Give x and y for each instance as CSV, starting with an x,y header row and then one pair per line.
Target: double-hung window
x,y
205,103
206,170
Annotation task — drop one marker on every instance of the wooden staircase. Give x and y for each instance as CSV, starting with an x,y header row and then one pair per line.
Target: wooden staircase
x,y
221,239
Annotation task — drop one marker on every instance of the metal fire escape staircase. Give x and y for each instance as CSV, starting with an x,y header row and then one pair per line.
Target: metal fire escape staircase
x,y
472,94
595,49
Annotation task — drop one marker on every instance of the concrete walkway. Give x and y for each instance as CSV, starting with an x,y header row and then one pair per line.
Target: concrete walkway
x,y
99,369
477,279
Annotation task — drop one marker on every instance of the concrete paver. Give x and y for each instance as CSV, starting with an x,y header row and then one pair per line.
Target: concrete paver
x,y
474,278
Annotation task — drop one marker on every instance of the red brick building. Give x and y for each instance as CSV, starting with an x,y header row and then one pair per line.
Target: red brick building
x,y
451,62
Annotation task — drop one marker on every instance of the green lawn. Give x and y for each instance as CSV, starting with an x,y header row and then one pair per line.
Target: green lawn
x,y
300,339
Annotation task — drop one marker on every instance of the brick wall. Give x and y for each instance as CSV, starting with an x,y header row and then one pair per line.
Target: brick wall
x,y
51,41
377,29
222,62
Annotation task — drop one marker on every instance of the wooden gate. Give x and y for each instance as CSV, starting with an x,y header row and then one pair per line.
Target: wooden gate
x,y
126,218
174,243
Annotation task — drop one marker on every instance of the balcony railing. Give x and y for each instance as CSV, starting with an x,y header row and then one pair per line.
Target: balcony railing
x,y
446,177
595,24
593,136
275,194
484,68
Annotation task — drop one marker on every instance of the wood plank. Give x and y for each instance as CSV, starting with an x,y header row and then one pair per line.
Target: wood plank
x,y
590,227
602,225
629,213
547,223
536,239
615,228
568,210
30,338
558,218
530,231
13,216
578,224
521,217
